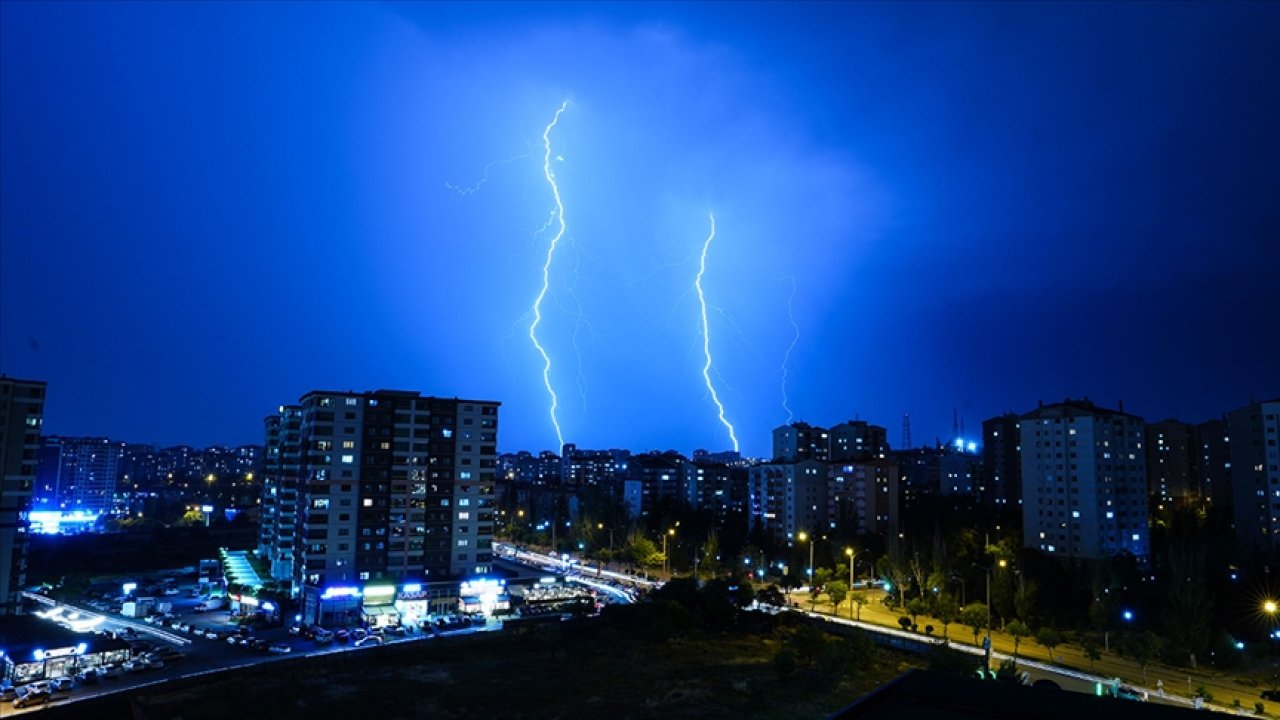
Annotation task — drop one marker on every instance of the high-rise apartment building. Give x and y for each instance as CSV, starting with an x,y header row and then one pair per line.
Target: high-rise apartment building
x,y
801,441
281,476
1001,461
785,498
21,417
1084,481
863,497
1213,463
1171,461
395,490
78,474
857,440
1255,474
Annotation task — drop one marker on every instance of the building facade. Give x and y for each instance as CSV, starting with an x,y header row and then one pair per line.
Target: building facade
x,y
863,497
786,498
1254,432
1171,454
78,474
396,490
21,418
1001,482
801,441
1084,481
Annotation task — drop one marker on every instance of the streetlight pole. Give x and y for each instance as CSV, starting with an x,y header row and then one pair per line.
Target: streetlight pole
x,y
666,563
853,557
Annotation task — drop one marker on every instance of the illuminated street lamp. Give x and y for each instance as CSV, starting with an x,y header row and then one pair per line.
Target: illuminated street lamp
x,y
1270,607
804,537
666,563
853,557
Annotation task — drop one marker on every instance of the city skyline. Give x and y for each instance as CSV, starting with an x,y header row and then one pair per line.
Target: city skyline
x,y
964,209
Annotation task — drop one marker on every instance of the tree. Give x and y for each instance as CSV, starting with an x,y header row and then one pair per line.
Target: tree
x,y
860,599
1091,651
1185,620
1024,601
190,518
948,611
1142,647
1049,639
916,607
975,615
837,591
1018,630
642,552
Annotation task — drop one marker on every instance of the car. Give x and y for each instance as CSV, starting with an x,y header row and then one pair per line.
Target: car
x,y
323,636
63,684
370,640
110,672
396,630
259,644
150,619
342,634
154,663
43,686
35,697
8,692
280,649
135,665
88,676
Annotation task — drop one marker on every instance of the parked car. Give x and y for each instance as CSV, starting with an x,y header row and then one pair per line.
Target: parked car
x,y
370,640
8,692
29,699
280,649
154,663
342,634
63,684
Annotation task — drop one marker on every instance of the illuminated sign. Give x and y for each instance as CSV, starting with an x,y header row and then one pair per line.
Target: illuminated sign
x,y
337,592
247,600
411,587
60,652
129,587
379,590
480,586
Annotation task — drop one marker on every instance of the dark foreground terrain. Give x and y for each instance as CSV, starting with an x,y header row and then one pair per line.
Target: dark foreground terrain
x,y
657,660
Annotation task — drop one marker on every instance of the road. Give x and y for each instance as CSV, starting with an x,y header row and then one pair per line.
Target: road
x,y
1162,683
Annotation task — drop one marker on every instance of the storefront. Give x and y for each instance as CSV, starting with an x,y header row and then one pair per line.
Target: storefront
x,y
483,595
36,649
331,607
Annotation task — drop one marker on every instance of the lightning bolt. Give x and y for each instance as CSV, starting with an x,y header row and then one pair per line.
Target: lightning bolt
x,y
546,273
484,177
706,336
787,357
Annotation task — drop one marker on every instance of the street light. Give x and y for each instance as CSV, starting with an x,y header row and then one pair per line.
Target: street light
x,y
1270,607
671,532
803,537
853,556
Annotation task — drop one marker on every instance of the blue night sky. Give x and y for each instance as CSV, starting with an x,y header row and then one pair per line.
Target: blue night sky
x,y
211,209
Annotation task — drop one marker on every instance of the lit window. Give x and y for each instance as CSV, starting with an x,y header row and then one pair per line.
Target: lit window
x,y
348,459
464,516
368,502
348,444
